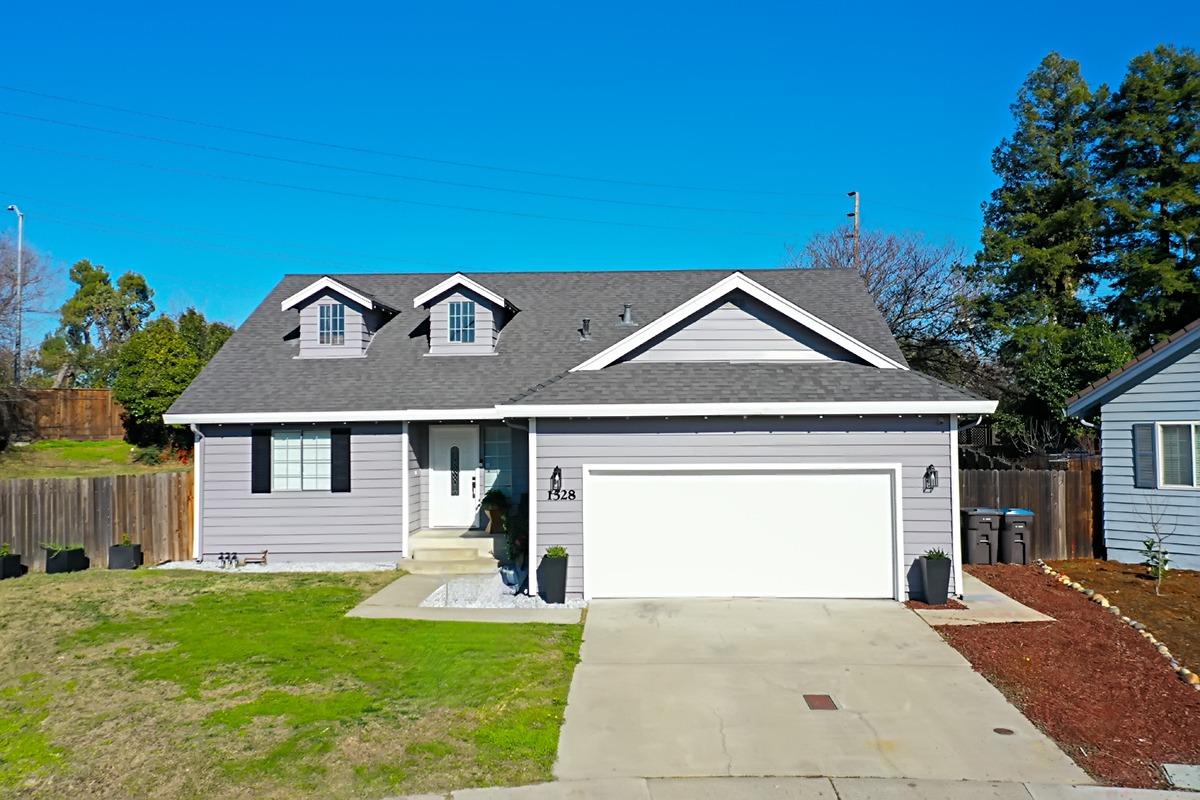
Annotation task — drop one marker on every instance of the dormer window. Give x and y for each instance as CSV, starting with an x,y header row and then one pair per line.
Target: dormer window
x,y
331,323
462,321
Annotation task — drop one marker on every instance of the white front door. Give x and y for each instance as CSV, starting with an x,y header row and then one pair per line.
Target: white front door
x,y
454,490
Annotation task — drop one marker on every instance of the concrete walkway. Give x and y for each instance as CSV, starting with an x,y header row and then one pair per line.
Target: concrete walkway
x,y
713,688
401,599
984,605
800,789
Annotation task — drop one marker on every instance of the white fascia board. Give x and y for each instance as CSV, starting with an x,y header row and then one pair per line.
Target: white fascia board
x,y
759,292
873,408
458,279
271,417
321,285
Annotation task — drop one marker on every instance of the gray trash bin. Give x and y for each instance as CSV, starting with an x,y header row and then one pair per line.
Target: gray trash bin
x,y
1015,536
981,534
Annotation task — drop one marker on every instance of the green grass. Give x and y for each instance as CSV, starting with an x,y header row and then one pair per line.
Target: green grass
x,y
67,458
188,684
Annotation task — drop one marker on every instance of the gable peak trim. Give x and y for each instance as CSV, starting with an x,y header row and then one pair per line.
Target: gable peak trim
x,y
326,283
734,282
459,279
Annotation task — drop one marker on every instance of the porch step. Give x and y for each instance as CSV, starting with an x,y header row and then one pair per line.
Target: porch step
x,y
476,566
423,553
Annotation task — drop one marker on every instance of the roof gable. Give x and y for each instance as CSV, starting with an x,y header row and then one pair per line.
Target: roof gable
x,y
1142,366
738,282
328,284
458,280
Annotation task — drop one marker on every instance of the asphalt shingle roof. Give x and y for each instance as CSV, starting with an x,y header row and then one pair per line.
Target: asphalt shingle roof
x,y
257,371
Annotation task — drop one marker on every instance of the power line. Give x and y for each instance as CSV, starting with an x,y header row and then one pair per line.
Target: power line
x,y
378,197
390,154
383,174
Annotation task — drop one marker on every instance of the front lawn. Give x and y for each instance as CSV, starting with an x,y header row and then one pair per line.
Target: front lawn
x,y
182,684
67,458
1173,616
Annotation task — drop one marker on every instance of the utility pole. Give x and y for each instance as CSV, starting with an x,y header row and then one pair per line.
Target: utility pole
x,y
20,293
854,235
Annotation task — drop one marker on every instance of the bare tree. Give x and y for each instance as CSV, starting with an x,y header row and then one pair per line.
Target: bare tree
x,y
37,279
923,293
1154,548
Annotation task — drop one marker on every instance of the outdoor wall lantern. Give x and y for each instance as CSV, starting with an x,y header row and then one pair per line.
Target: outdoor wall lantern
x,y
556,479
931,478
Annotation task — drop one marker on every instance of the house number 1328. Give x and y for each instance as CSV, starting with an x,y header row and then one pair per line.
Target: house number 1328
x,y
560,494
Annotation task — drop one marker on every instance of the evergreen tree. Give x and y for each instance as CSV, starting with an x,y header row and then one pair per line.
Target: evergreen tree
x,y
1149,159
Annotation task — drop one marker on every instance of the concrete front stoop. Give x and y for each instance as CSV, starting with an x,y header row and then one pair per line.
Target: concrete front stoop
x,y
436,551
801,789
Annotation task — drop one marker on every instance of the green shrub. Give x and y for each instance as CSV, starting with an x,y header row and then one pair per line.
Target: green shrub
x,y
148,455
556,552
5,549
57,548
936,555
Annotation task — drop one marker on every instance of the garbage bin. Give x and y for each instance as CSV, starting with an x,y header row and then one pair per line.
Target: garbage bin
x,y
981,534
1015,536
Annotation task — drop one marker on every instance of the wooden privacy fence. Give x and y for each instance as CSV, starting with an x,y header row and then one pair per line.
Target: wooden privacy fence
x,y
74,414
1066,503
155,510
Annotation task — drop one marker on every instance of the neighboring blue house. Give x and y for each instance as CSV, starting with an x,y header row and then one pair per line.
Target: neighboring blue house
x,y
1150,448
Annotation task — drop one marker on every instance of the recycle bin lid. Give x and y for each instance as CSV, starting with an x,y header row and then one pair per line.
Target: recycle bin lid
x,y
1018,512
984,510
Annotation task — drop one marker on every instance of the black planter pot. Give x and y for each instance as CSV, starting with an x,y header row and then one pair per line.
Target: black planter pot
x,y
552,580
124,556
66,561
935,578
11,566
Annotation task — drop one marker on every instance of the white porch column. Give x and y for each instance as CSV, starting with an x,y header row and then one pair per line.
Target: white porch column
x,y
534,494
404,500
955,508
197,488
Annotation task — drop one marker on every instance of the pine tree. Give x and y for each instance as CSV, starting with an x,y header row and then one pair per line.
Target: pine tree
x,y
1149,161
1042,224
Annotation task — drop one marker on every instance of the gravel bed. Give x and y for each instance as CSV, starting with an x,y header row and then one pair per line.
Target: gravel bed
x,y
286,566
486,591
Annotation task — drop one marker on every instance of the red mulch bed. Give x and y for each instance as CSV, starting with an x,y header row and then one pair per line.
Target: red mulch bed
x,y
1096,687
921,604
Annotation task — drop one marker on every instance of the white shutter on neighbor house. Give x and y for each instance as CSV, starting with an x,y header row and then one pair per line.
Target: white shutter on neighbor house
x,y
1144,467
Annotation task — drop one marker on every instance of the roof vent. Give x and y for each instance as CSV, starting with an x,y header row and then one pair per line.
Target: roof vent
x,y
627,314
585,330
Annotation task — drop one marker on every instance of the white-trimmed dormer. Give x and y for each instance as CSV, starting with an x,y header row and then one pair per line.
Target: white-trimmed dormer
x,y
336,319
465,317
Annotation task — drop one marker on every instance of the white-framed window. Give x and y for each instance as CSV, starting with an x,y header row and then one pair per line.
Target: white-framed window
x,y
1179,455
300,460
331,323
462,321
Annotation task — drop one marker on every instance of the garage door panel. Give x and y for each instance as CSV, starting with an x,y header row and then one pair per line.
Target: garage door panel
x,y
652,532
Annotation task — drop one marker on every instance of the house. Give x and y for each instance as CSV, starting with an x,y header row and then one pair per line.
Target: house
x,y
680,433
1150,448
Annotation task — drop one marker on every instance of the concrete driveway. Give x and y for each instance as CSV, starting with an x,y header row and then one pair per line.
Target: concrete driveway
x,y
716,687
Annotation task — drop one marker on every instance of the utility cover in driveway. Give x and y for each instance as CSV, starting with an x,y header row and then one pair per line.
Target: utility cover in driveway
x,y
782,531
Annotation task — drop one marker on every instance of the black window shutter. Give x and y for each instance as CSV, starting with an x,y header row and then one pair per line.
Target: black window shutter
x,y
339,461
1145,468
260,461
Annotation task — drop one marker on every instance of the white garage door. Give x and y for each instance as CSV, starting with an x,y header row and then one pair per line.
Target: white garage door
x,y
772,531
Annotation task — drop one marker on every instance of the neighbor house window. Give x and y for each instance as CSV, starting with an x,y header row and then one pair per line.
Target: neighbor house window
x,y
300,460
332,323
1179,447
462,321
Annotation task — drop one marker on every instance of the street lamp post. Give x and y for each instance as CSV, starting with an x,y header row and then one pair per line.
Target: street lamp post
x,y
20,293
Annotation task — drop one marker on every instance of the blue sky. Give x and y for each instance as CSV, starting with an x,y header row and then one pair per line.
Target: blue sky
x,y
767,112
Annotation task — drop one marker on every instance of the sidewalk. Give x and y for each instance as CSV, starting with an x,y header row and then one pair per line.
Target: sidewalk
x,y
401,599
801,789
983,605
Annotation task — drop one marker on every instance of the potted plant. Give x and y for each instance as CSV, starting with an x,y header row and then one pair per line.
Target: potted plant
x,y
65,558
125,555
495,505
935,576
552,575
10,563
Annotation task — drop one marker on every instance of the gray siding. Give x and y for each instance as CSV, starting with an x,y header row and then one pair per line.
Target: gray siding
x,y
915,442
739,329
360,322
364,524
488,321
1172,394
418,474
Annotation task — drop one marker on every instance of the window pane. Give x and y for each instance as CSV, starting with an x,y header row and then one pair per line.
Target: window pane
x,y
316,452
454,472
462,321
1178,459
1196,456
285,460
331,323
